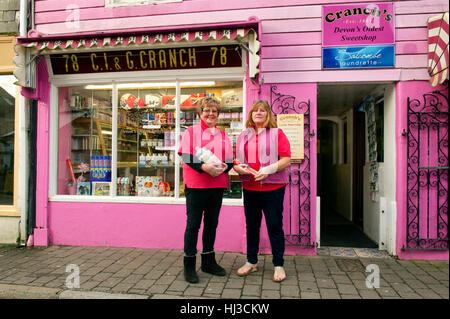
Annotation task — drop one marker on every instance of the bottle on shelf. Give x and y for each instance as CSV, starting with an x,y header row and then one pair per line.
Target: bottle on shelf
x,y
142,160
148,160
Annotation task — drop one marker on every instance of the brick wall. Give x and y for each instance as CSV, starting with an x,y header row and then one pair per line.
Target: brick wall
x,y
9,16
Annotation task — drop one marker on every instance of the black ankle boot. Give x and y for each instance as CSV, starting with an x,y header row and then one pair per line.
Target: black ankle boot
x,y
210,265
190,275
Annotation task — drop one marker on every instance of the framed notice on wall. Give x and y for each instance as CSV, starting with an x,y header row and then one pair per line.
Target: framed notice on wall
x,y
292,126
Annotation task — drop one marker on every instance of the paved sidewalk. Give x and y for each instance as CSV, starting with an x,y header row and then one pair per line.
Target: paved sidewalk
x,y
106,272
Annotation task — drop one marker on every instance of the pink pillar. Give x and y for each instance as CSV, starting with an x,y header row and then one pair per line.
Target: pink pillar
x,y
42,94
414,90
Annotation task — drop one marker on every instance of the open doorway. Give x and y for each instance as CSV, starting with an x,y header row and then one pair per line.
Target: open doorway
x,y
343,173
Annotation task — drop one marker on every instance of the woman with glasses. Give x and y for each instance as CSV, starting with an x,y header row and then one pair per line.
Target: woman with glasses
x,y
264,148
207,157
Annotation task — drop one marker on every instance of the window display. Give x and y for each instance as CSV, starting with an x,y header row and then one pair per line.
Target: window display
x,y
146,141
147,131
7,138
85,139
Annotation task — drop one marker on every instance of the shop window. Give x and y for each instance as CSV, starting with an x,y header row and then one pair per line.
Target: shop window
x,y
131,151
7,138
85,141
119,3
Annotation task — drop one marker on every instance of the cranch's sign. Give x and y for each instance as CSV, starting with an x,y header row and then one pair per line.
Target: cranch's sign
x,y
358,36
358,24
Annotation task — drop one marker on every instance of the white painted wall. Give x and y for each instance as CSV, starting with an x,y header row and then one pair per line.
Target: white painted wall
x,y
390,214
373,212
9,229
372,216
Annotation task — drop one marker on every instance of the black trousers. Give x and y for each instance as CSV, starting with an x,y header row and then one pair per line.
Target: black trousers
x,y
206,203
271,203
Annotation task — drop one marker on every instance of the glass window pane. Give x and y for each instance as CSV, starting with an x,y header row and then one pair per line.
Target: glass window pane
x,y
230,119
146,136
146,140
85,141
7,134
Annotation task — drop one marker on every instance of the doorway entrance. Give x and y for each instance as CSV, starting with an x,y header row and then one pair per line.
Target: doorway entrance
x,y
343,174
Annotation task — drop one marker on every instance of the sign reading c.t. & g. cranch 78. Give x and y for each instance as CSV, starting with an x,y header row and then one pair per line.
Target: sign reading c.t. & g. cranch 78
x,y
358,24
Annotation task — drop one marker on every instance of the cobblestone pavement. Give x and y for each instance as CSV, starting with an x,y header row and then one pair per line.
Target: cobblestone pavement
x,y
106,272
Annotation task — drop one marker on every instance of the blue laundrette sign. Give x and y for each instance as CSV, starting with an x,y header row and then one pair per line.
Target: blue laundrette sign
x,y
358,57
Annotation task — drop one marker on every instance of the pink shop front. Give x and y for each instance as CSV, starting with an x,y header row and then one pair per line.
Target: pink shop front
x,y
110,118
111,111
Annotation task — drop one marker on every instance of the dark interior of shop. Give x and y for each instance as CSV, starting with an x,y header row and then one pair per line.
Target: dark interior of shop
x,y
341,215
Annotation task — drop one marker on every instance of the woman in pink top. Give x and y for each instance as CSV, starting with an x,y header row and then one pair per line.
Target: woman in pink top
x,y
207,157
264,148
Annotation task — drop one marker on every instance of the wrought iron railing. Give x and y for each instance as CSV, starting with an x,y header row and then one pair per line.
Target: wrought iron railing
x,y
427,192
299,175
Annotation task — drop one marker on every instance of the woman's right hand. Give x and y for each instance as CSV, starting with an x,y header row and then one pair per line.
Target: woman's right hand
x,y
214,169
241,169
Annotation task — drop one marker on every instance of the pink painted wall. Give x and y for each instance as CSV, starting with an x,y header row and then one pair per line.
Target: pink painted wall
x,y
42,160
290,35
136,225
413,90
290,58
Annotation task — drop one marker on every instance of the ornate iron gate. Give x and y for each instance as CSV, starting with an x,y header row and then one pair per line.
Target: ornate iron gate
x,y
299,175
427,190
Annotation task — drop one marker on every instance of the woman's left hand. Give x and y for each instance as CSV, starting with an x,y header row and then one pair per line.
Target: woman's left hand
x,y
260,176
266,171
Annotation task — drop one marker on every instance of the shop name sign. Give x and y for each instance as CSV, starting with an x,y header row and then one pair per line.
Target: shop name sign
x,y
147,59
358,25
357,57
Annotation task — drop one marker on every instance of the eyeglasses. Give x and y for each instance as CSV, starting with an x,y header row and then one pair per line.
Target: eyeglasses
x,y
210,111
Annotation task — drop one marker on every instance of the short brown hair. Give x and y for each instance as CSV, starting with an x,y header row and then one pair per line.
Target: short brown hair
x,y
270,121
207,101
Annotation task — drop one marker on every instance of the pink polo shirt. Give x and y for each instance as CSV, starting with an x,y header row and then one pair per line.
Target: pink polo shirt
x,y
284,150
216,141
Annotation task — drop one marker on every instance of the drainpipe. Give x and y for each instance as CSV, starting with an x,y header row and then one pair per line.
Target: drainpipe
x,y
23,136
31,211
23,22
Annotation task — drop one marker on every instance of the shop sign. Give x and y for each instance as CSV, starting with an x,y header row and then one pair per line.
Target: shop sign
x,y
292,126
357,57
356,36
220,56
358,24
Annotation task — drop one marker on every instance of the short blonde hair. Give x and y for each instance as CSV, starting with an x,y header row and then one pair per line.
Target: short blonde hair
x,y
207,101
270,121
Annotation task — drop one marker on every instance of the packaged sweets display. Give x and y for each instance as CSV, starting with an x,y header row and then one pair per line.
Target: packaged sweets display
x,y
206,156
248,168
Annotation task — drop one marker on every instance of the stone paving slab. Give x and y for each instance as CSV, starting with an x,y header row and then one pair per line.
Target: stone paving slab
x,y
131,273
27,292
71,294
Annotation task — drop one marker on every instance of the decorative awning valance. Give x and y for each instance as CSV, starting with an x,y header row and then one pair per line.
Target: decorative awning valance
x,y
129,40
438,55
247,37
